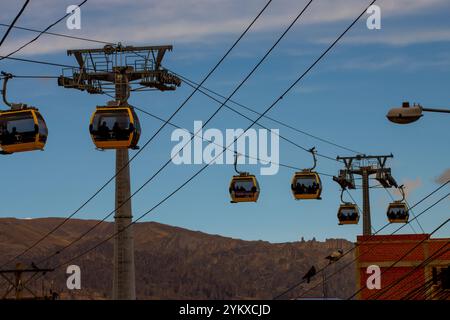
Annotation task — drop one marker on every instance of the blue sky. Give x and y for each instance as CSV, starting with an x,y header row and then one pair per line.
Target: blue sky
x,y
344,99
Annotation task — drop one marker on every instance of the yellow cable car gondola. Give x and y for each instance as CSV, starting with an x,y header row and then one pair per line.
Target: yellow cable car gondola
x,y
306,184
115,127
243,187
348,212
22,128
398,211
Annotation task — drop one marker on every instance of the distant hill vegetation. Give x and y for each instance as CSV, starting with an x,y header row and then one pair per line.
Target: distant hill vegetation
x,y
175,263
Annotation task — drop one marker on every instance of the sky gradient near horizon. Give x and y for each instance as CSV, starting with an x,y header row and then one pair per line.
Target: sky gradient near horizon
x,y
344,99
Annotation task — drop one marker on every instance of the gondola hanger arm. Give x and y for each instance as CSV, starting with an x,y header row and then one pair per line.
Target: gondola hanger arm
x,y
313,152
6,78
236,155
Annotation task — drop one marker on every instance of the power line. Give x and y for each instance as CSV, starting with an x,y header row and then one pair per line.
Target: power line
x,y
38,62
403,256
148,141
418,290
14,22
40,34
423,263
190,82
219,145
142,186
207,165
357,245
262,126
217,110
186,80
56,34
352,261
395,231
203,91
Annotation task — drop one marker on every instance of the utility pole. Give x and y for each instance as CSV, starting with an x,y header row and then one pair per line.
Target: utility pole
x,y
17,284
121,66
365,166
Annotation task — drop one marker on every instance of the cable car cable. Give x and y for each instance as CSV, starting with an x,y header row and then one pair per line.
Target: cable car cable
x,y
350,250
14,22
356,245
187,80
147,143
57,34
398,260
403,225
207,165
436,254
227,106
39,62
262,126
191,82
217,110
40,34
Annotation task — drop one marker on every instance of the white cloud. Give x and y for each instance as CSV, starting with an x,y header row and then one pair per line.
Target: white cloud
x,y
409,186
444,177
200,21
401,37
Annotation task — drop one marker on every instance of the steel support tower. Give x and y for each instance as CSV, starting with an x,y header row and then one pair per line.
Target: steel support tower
x,y
365,166
115,69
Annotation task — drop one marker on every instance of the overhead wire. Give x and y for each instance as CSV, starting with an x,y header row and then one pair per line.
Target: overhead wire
x,y
14,22
40,34
402,286
262,126
188,81
261,60
380,293
207,165
146,143
357,245
57,34
294,286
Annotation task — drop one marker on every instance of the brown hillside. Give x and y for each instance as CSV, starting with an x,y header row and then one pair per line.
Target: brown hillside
x,y
175,263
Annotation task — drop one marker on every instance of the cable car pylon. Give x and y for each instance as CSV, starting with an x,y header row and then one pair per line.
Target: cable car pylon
x,y
116,127
365,166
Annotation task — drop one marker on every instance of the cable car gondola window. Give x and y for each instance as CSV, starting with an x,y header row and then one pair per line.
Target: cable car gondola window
x,y
244,188
398,212
348,214
111,125
43,131
18,128
306,184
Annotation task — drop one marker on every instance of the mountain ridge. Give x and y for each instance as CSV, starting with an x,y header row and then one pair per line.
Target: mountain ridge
x,y
176,263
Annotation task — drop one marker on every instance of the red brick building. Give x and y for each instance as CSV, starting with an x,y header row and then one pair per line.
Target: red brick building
x,y
418,275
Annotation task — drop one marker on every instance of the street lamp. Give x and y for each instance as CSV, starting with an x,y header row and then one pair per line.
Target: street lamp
x,y
407,114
